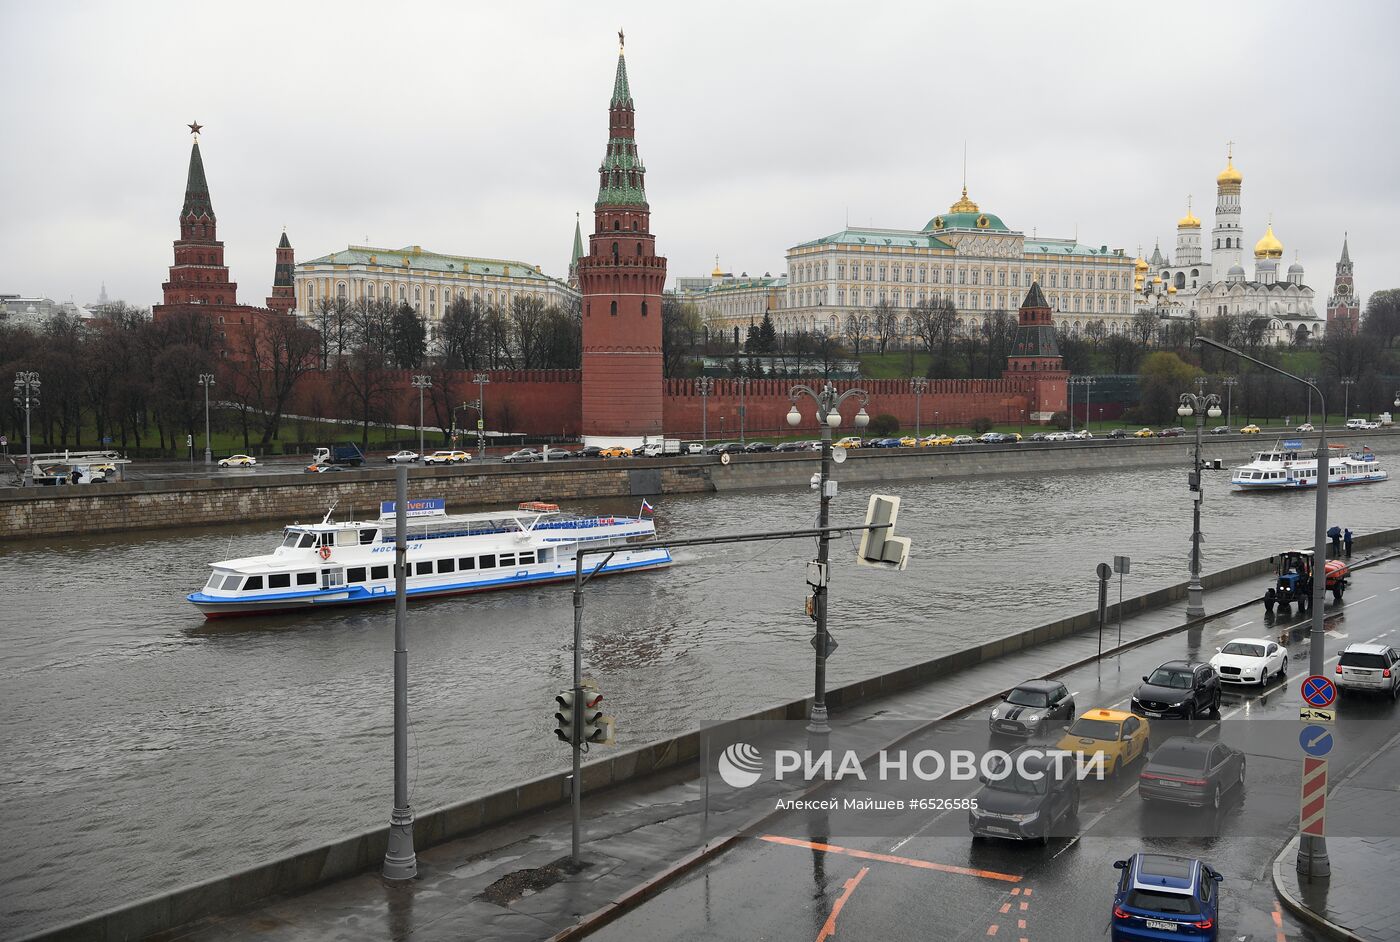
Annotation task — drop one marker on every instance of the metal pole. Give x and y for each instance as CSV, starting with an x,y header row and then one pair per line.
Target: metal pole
x,y
28,445
206,380
1072,384
576,780
742,384
1195,606
1312,860
818,722
400,861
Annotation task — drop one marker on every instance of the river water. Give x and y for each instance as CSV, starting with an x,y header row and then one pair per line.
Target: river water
x,y
146,749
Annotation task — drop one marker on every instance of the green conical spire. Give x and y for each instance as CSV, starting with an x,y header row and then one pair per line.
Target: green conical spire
x,y
622,95
578,244
197,200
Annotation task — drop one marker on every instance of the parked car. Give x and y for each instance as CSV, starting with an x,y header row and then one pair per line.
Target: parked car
x,y
1250,661
1178,690
693,448
615,451
1059,437
317,467
883,443
936,440
1117,433
1144,433
964,440
721,448
1165,897
1011,438
238,461
1192,771
556,454
850,441
990,438
404,455
1026,798
1031,707
1222,430
755,447
1306,427
790,446
1174,432
1039,437
1250,429
1116,738
1368,668
522,455
447,457
1084,434
590,451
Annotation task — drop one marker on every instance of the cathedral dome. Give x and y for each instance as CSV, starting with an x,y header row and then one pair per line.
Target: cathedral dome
x,y
1229,175
1269,246
1189,221
1295,268
1140,264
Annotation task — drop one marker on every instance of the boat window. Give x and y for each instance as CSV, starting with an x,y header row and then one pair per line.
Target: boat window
x,y
291,539
281,581
507,559
254,582
346,538
231,583
488,561
215,580
423,568
367,536
355,574
546,555
379,572
326,539
466,562
527,559
306,578
307,541
447,565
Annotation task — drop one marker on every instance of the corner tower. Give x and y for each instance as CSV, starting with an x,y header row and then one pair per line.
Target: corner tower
x,y
199,275
1343,308
283,298
621,279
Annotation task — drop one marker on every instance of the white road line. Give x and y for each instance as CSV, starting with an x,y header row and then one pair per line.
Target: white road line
x,y
1396,589
927,824
1359,601
1245,625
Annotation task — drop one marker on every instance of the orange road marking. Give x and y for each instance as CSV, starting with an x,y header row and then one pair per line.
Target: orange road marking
x,y
1278,924
1026,891
1025,906
829,927
1005,908
992,929
891,858
1020,923
1016,891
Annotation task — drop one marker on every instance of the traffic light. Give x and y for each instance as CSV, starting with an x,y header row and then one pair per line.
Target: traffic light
x,y
564,716
880,547
597,725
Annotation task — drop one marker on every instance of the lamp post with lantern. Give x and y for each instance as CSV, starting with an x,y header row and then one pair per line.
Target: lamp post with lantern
x,y
828,403
1200,406
918,385
206,380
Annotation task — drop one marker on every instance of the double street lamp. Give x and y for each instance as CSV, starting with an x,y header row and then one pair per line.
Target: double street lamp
x,y
1200,406
918,385
27,398
421,381
828,417
206,380
1347,383
704,385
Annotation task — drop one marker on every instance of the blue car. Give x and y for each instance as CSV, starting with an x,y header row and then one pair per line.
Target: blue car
x,y
1164,897
885,443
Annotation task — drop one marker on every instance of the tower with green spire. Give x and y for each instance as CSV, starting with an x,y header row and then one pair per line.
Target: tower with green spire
x,y
578,252
621,279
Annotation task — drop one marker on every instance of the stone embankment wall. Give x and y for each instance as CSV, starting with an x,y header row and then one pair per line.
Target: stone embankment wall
x,y
161,504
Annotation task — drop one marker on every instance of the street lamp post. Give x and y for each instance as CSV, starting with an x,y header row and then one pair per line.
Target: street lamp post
x,y
421,381
27,398
481,379
1200,406
935,421
1312,850
1230,383
1347,383
206,380
704,386
1088,383
742,384
828,417
919,385
1312,383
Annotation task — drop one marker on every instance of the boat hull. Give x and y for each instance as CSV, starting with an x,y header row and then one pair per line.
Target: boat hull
x,y
215,607
1285,485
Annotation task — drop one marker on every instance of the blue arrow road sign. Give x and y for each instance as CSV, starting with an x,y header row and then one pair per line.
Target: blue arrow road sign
x,y
1319,691
1316,741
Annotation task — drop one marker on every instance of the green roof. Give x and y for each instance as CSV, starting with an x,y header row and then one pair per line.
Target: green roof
x,y
420,260
1067,247
879,237
967,221
622,95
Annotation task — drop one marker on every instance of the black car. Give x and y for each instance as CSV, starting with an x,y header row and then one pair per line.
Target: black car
x,y
1031,708
590,451
1178,690
1034,797
1118,433
791,446
523,454
1191,771
724,448
753,447
1222,430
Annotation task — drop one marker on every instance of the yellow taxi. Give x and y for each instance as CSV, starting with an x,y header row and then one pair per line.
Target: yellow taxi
x,y
908,441
850,441
615,451
106,467
1250,429
1144,433
934,440
1118,737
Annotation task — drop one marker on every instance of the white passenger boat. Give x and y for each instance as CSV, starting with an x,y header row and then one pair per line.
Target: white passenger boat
x,y
351,562
1289,467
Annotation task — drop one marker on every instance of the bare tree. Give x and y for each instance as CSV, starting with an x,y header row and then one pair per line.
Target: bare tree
x,y
273,355
885,322
855,331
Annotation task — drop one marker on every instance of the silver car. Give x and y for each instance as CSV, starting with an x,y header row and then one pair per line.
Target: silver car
x,y
1368,668
1029,708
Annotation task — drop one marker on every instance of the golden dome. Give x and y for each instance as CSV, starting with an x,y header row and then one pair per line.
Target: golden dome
x,y
1156,279
963,205
718,272
1269,246
1189,221
1171,289
1229,174
1140,264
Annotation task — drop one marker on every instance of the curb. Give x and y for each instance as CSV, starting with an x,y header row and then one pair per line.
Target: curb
x,y
1294,905
643,891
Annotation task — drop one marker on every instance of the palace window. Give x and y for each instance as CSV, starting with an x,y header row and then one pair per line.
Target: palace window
x,y
1076,279
1100,282
1001,278
882,272
962,276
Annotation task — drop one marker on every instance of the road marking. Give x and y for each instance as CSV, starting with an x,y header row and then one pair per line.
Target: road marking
x,y
992,929
829,927
1359,601
1396,589
927,824
890,858
1005,908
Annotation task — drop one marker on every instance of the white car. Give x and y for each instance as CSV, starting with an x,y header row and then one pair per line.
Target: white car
x,y
1368,668
238,461
404,455
447,457
1059,437
1305,427
1250,661
1083,434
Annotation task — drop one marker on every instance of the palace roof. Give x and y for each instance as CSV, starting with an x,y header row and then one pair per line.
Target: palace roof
x,y
415,258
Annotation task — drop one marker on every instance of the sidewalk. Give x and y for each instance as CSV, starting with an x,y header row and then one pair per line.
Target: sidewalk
x,y
1358,901
504,883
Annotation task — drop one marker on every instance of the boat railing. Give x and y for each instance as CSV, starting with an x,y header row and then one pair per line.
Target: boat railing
x,y
447,530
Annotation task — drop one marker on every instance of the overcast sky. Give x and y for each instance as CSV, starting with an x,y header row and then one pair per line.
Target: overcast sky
x,y
477,129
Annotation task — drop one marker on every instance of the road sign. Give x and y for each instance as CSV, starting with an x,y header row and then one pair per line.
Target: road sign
x,y
1292,444
1120,564
480,424
1312,813
1318,691
1316,741
1105,572
1314,715
4,440
830,644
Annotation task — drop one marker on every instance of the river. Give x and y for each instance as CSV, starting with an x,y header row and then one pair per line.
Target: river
x,y
146,749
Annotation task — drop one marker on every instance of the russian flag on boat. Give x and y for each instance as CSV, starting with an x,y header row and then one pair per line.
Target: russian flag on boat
x,y
646,507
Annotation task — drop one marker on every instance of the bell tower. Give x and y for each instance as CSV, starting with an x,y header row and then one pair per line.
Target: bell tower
x,y
621,278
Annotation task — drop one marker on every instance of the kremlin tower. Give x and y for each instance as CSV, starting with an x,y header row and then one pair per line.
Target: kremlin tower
x,y
1343,307
621,279
283,299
